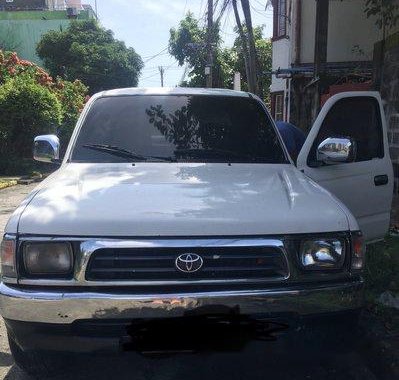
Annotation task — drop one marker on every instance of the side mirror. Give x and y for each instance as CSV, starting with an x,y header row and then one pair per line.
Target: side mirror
x,y
46,148
335,150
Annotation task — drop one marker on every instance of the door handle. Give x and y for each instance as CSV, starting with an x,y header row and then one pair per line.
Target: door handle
x,y
381,180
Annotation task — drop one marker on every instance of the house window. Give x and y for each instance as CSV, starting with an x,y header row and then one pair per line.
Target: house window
x,y
278,106
280,18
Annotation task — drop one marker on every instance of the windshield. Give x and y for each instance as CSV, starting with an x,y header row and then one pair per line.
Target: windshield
x,y
177,128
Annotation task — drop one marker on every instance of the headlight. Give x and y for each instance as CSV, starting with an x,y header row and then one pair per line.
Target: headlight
x,y
7,256
47,258
320,254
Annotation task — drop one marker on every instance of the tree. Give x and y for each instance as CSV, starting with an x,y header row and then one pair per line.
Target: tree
x,y
243,38
90,53
72,96
385,11
187,45
28,109
253,70
32,103
263,48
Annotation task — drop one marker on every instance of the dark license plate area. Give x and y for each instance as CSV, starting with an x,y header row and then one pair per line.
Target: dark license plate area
x,y
192,334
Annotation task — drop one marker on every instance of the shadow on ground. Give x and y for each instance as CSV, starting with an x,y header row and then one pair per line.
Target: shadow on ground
x,y
310,354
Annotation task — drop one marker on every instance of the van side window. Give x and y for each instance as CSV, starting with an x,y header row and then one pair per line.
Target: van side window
x,y
358,118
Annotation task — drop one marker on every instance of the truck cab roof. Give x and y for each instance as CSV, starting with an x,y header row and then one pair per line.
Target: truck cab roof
x,y
174,91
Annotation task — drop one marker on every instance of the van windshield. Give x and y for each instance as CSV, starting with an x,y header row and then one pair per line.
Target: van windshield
x,y
181,128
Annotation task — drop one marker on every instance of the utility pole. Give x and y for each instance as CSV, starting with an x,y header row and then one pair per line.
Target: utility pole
x,y
162,72
209,40
320,52
252,61
244,42
321,34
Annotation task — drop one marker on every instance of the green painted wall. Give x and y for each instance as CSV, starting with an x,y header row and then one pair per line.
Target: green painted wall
x,y
21,31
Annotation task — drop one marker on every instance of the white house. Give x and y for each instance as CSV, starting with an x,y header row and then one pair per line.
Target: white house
x,y
351,39
357,59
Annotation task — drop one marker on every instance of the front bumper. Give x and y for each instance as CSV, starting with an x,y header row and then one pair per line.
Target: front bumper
x,y
66,307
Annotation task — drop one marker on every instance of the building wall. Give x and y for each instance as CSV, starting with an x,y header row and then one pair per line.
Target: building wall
x,y
351,35
22,4
308,25
56,4
21,31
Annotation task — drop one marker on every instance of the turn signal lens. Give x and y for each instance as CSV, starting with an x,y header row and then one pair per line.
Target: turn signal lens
x,y
7,257
358,251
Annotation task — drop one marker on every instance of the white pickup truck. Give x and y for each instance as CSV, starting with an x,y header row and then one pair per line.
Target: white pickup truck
x,y
170,201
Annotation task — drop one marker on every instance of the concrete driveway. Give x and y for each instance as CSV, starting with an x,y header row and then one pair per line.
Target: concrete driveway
x,y
288,358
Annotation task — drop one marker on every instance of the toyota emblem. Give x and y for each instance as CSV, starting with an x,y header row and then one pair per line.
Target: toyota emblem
x,y
189,262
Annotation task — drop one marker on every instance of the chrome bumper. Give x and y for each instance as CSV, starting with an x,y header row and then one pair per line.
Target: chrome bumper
x,y
69,306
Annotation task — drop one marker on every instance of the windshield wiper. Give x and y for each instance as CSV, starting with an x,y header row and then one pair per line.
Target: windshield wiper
x,y
124,153
202,152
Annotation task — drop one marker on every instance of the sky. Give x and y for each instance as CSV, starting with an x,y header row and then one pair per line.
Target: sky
x,y
145,24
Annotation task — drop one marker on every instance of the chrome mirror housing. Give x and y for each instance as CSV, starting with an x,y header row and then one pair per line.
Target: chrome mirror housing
x,y
335,150
46,148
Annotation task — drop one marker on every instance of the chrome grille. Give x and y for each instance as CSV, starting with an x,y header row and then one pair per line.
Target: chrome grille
x,y
225,263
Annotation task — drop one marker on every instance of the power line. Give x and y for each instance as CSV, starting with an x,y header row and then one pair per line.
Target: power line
x,y
262,5
155,68
200,9
222,10
184,10
227,21
150,76
150,56
262,13
156,55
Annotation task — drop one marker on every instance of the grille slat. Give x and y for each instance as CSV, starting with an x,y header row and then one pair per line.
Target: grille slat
x,y
135,258
158,264
138,270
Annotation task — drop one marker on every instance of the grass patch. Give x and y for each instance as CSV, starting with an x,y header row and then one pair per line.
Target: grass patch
x,y
382,274
382,267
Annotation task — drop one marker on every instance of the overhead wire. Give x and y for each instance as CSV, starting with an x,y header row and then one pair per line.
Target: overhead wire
x,y
262,5
162,52
184,9
150,76
200,9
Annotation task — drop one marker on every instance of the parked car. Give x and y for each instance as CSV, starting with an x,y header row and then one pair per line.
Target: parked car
x,y
171,201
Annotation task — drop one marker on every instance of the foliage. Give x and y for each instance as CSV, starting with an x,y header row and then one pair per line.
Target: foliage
x,y
382,267
264,60
90,53
32,102
187,44
7,183
72,96
28,109
385,11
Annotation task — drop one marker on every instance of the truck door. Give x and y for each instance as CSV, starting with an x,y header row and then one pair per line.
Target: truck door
x,y
353,123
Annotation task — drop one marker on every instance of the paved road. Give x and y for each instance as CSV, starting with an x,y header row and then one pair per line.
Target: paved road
x,y
288,358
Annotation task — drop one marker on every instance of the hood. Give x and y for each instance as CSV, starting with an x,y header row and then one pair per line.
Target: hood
x,y
176,199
